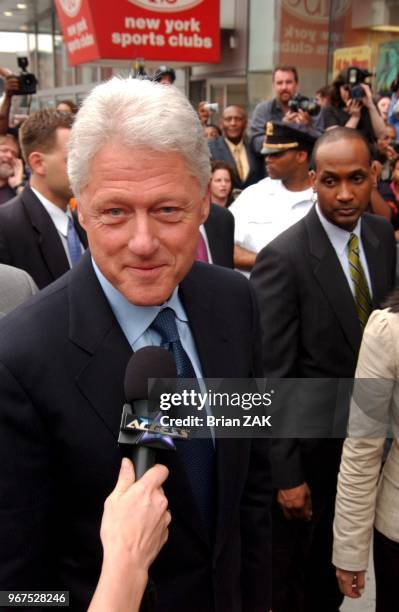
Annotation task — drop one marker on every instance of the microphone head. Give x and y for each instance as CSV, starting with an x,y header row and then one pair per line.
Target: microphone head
x,y
147,362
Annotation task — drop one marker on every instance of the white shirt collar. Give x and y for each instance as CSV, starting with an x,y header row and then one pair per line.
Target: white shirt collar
x,y
338,237
58,216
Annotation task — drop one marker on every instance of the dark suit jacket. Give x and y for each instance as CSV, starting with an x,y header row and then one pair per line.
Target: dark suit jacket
x,y
221,152
29,239
219,228
62,363
309,320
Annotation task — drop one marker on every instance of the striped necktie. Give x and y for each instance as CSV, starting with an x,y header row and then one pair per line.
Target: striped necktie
x,y
196,454
362,292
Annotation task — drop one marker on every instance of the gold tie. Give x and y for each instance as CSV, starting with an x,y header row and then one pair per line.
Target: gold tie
x,y
362,293
237,159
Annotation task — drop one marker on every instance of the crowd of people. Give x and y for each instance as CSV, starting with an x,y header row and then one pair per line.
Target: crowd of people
x,y
106,236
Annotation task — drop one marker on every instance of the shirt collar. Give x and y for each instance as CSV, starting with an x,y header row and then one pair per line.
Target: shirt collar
x,y
135,320
232,145
338,237
58,216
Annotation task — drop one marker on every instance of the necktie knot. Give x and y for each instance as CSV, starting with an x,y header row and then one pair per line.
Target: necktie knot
x,y
165,325
353,243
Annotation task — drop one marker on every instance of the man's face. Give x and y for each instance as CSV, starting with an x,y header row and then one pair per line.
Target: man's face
x,y
285,85
281,165
234,122
8,157
384,141
142,210
343,180
56,166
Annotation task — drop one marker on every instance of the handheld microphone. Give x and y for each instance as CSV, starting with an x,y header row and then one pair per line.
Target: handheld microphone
x,y
140,427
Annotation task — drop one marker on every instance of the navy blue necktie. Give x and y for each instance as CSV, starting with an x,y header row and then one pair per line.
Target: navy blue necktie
x,y
74,247
196,454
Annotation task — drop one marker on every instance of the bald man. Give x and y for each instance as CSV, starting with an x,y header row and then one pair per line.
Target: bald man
x,y
234,149
317,282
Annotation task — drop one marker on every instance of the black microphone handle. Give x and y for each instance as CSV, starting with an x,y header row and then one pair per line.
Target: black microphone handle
x,y
143,459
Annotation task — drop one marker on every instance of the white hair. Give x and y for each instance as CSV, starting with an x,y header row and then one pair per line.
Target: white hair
x,y
137,113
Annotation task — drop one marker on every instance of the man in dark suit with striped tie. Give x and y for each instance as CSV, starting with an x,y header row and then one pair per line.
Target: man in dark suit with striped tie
x,y
316,284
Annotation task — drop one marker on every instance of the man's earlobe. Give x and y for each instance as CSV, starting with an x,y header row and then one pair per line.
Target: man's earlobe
x,y
312,177
375,171
80,214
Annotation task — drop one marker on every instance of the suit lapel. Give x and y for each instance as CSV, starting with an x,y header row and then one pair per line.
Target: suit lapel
x,y
94,329
212,337
209,330
375,260
227,153
49,241
80,231
211,228
331,278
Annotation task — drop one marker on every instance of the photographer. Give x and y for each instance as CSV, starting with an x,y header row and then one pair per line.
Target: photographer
x,y
280,108
11,88
23,84
349,109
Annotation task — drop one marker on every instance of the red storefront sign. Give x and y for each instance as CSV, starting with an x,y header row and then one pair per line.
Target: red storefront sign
x,y
164,30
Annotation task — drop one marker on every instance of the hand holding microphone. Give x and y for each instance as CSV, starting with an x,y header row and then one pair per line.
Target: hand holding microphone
x,y
134,528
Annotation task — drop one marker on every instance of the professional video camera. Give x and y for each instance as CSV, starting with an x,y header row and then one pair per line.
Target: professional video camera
x,y
355,77
27,80
308,105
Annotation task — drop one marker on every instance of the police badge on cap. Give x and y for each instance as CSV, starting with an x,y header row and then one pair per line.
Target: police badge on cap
x,y
280,137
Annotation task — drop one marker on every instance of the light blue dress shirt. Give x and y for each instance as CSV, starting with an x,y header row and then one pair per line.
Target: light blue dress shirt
x,y
136,320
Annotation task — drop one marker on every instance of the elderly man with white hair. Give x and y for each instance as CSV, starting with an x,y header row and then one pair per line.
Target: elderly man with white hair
x,y
139,168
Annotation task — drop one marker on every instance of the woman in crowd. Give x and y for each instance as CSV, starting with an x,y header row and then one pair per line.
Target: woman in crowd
x,y
360,114
221,183
383,105
368,499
